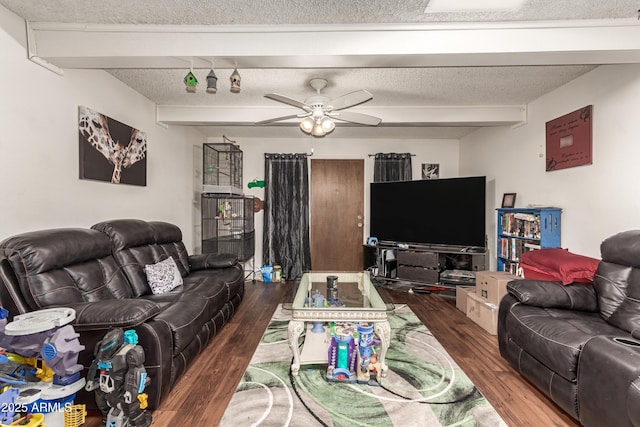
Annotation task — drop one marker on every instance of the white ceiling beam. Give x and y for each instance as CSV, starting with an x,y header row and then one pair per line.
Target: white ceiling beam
x,y
335,46
391,116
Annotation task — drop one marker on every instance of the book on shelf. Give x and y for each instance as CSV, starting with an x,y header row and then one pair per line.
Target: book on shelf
x,y
513,268
531,246
525,216
521,225
512,248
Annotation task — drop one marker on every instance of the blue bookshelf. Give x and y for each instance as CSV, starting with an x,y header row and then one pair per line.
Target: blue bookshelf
x,y
523,230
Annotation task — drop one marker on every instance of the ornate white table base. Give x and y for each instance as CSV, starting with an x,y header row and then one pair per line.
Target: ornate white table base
x,y
383,331
381,328
294,331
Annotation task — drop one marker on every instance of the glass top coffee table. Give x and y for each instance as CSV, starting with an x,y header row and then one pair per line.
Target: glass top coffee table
x,y
354,300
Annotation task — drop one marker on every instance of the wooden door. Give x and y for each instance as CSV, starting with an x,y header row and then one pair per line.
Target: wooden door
x,y
337,214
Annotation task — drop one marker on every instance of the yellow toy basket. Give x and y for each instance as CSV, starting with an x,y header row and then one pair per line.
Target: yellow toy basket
x,y
75,415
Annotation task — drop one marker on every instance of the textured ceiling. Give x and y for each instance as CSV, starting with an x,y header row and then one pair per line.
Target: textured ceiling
x,y
390,85
280,12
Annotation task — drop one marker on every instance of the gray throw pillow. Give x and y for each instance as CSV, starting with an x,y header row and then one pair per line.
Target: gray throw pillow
x,y
163,276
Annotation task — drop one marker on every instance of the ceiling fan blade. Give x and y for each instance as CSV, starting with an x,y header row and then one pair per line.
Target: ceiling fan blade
x,y
361,119
349,100
277,119
288,101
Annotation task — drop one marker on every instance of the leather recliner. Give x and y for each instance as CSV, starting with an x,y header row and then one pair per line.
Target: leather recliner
x,y
99,272
580,343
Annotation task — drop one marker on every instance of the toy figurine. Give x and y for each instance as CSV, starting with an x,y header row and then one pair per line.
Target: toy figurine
x,y
367,358
365,331
318,301
374,370
119,378
256,183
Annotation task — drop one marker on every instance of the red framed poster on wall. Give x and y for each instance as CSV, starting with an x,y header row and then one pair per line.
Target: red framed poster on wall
x,y
569,140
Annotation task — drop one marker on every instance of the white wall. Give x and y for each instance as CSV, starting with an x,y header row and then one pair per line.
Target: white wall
x,y
598,200
444,152
39,152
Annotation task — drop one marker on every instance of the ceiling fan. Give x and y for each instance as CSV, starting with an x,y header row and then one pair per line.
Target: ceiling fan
x,y
320,111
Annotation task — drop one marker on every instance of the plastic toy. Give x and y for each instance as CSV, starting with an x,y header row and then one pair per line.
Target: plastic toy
x,y
75,416
318,301
351,357
367,361
365,332
256,183
118,377
225,212
7,403
30,420
38,364
342,355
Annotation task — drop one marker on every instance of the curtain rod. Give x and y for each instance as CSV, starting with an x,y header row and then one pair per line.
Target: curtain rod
x,y
305,154
371,155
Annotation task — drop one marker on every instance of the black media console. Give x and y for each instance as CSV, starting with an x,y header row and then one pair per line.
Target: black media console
x,y
425,264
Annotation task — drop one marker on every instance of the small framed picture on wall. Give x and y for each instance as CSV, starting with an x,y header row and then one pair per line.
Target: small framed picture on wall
x,y
430,170
509,200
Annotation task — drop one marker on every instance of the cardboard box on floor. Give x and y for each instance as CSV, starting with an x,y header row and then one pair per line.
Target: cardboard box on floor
x,y
461,296
483,313
492,285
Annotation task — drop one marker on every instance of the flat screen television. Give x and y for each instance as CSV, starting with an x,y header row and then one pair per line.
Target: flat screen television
x,y
429,211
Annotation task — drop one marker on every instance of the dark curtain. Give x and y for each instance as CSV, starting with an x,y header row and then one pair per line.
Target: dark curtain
x,y
392,167
285,240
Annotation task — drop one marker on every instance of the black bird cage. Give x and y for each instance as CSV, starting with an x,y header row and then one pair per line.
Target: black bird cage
x,y
222,168
227,225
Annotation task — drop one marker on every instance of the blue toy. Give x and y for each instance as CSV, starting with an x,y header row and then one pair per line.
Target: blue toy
x,y
351,356
318,301
342,355
118,377
369,371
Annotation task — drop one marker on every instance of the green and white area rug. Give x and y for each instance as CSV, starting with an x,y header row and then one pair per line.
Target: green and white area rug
x,y
423,387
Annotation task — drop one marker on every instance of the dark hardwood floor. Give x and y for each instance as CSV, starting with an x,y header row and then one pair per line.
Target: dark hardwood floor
x,y
201,396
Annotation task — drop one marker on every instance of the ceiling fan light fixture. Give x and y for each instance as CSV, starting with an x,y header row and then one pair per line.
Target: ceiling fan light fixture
x,y
327,124
320,110
307,125
318,130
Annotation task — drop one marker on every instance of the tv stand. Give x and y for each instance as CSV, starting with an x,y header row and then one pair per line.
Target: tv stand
x,y
424,264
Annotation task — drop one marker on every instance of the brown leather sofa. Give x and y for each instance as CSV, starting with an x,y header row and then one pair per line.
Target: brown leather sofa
x,y
580,343
99,272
